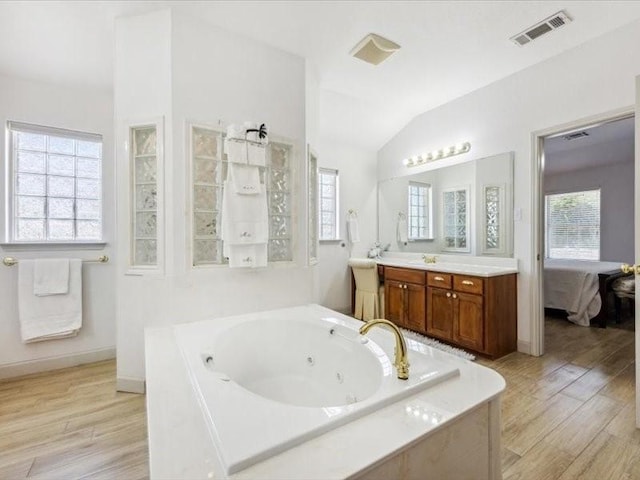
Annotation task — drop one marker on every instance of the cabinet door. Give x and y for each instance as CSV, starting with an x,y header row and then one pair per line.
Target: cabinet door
x,y
394,302
439,313
416,308
468,326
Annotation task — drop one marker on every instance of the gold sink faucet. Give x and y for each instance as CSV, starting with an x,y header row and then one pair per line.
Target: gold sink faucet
x,y
401,361
429,258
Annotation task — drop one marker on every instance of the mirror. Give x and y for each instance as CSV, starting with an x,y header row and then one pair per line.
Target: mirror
x,y
463,209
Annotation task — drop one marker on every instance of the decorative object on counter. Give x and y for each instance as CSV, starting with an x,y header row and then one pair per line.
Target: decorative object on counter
x,y
377,250
439,154
369,297
401,229
353,228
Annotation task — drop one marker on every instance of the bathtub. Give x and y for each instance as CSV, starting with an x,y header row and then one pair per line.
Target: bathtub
x,y
270,381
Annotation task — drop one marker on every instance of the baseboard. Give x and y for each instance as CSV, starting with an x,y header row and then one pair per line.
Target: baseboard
x,y
54,363
131,385
524,347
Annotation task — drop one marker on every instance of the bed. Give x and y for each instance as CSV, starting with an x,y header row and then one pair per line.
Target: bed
x,y
574,286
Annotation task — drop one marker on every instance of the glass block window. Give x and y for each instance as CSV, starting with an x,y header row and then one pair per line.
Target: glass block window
x,y
455,204
573,225
492,218
419,219
144,158
209,170
328,185
56,192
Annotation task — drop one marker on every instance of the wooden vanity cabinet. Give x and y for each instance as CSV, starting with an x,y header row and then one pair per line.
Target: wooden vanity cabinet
x,y
404,297
473,312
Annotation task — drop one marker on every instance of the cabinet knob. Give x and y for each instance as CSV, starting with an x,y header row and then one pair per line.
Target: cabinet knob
x,y
448,294
467,282
455,296
438,279
405,286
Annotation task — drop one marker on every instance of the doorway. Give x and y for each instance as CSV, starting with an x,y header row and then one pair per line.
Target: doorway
x,y
539,198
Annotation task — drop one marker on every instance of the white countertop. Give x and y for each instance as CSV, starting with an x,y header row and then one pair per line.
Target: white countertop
x,y
180,445
450,267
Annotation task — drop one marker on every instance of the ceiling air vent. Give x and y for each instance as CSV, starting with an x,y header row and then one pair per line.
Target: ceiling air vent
x,y
548,24
374,49
573,136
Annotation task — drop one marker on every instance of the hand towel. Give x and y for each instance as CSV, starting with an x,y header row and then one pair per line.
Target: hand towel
x,y
242,233
257,155
52,316
401,232
50,276
353,229
236,151
245,179
247,256
236,131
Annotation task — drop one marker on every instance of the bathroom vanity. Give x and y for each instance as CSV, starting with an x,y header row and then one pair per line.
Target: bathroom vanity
x,y
472,306
407,436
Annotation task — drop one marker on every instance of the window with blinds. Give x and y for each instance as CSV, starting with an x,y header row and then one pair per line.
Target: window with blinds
x,y
573,225
56,185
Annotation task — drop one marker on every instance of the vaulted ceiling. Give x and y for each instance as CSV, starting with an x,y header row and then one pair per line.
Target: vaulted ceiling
x,y
448,48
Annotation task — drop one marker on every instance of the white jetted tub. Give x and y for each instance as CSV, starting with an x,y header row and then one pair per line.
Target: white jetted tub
x,y
270,381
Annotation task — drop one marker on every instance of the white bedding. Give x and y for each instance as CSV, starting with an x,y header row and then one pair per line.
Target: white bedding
x,y
572,285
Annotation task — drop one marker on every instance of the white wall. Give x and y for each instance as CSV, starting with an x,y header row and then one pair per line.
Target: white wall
x,y
210,75
616,204
357,171
593,78
75,109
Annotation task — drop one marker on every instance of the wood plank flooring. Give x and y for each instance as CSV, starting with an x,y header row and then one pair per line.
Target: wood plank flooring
x,y
571,413
72,424
567,415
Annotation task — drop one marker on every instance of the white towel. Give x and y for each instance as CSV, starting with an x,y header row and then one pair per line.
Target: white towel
x,y
243,233
51,276
353,229
244,224
236,131
257,155
401,232
236,151
245,179
247,256
52,316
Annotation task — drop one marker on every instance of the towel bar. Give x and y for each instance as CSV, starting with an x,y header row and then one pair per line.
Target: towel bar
x,y
10,261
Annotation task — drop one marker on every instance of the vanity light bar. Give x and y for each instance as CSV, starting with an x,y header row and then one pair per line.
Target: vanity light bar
x,y
437,154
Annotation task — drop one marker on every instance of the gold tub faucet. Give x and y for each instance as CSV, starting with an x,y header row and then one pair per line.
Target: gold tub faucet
x,y
429,258
401,361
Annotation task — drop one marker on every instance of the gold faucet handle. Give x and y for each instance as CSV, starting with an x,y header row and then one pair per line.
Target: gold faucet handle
x,y
626,268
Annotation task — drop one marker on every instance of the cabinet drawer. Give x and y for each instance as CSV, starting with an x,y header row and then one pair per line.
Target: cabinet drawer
x,y
465,283
404,275
441,280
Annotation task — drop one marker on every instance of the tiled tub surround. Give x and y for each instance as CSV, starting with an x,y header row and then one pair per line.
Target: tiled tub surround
x,y
409,433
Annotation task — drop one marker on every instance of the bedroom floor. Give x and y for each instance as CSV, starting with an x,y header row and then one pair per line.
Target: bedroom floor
x,y
566,415
571,413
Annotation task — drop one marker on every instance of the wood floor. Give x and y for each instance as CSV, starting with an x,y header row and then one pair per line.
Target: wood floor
x,y
567,415
571,413
71,424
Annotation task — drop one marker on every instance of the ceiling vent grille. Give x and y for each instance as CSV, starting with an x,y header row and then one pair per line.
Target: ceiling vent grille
x,y
573,136
536,31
